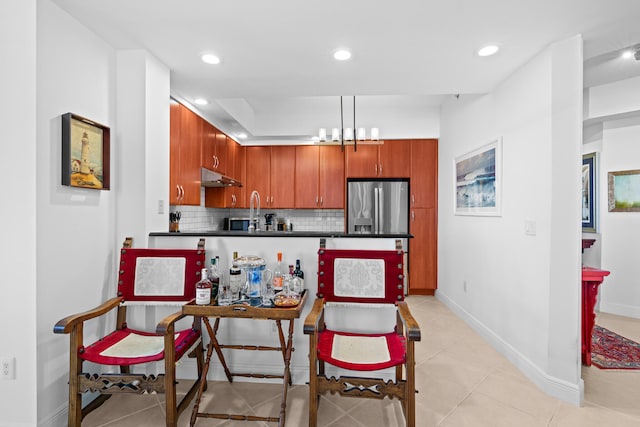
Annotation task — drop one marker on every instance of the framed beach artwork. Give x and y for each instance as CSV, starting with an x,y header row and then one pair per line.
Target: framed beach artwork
x,y
85,153
478,181
589,193
624,191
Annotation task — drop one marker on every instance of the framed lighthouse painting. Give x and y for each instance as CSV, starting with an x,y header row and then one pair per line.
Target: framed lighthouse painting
x,y
85,153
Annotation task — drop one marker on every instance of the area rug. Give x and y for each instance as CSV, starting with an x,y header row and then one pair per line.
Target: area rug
x,y
612,351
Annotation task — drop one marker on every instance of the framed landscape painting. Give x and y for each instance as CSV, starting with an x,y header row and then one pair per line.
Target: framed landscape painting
x,y
478,181
624,191
588,192
85,153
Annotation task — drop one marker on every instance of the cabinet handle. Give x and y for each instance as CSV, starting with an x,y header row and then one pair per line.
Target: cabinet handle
x,y
177,192
233,200
271,199
413,215
217,162
316,200
413,199
376,169
180,192
321,203
380,169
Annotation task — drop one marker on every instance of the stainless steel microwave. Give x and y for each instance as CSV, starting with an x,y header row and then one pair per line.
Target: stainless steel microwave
x,y
236,224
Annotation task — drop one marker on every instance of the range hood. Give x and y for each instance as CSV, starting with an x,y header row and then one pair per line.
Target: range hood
x,y
211,178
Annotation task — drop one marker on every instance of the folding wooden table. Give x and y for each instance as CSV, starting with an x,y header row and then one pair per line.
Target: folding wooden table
x,y
277,314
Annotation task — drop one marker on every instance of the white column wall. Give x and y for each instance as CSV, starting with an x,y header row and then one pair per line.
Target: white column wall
x,y
522,292
75,227
18,215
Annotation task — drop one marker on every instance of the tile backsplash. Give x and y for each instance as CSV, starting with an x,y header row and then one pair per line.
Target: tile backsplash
x,y
199,218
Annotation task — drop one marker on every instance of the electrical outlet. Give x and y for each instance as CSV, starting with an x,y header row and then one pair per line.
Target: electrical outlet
x,y
8,368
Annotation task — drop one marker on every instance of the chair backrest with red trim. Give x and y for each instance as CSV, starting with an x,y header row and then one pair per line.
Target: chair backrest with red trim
x,y
361,276
159,275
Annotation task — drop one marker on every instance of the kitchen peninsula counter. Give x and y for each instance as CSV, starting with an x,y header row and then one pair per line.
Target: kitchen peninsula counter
x,y
302,245
316,234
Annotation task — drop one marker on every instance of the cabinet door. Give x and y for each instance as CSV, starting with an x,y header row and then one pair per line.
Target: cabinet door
x,y
362,162
257,172
208,145
221,153
394,159
283,160
175,192
424,173
331,177
423,252
306,176
190,145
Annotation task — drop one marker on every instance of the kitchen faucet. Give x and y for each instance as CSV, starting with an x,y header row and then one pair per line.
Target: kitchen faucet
x,y
254,224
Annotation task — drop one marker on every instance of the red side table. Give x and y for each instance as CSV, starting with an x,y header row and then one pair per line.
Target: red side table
x,y
591,280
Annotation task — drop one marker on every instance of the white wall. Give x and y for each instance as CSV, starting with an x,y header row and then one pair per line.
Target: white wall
x,y
620,231
522,292
615,140
75,227
18,215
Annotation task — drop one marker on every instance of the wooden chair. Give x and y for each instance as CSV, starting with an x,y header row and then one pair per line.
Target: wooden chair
x,y
368,283
145,276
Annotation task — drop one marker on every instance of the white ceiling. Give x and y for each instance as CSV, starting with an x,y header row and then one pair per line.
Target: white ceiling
x,y
278,80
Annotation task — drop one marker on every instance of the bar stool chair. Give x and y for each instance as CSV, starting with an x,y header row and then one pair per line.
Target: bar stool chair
x,y
358,288
145,277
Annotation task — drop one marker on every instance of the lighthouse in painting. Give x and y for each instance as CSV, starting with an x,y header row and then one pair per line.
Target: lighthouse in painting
x,y
84,154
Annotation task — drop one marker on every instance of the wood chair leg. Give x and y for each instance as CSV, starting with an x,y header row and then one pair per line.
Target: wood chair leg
x,y
75,369
170,378
410,392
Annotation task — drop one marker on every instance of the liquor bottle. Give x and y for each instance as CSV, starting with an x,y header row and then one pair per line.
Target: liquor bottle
x,y
214,277
203,289
278,274
300,274
235,278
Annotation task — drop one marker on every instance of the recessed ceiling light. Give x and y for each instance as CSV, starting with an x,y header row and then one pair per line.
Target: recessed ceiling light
x,y
627,54
242,135
201,101
342,54
210,59
488,50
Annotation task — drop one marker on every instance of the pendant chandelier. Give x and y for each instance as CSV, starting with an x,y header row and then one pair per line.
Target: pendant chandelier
x,y
349,134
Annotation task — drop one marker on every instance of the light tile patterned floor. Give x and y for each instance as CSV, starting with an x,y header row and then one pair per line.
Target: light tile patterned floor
x,y
461,379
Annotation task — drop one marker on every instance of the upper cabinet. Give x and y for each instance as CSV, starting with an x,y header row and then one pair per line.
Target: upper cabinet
x,y
185,146
270,171
424,173
230,197
387,160
319,177
214,149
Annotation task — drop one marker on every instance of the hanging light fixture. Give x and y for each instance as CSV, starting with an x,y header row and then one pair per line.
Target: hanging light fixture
x,y
349,134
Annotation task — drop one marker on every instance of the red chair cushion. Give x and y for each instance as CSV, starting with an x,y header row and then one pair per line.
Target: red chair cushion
x,y
183,342
395,344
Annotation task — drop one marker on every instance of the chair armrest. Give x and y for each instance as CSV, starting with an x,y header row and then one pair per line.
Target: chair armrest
x,y
166,325
314,317
67,324
410,325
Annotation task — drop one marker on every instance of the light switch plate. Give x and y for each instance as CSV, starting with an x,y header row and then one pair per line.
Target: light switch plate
x,y
529,227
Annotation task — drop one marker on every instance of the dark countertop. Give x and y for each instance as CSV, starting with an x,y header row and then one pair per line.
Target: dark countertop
x,y
222,233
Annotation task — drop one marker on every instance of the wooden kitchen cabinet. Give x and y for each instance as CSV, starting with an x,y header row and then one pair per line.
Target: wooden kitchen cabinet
x,y
423,249
214,149
319,177
185,151
270,170
424,173
387,160
230,197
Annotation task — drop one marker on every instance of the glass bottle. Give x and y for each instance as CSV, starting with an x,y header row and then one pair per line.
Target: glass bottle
x,y
278,274
235,278
214,277
300,275
203,289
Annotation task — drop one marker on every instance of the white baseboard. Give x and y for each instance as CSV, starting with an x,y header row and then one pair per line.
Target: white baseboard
x,y
57,419
620,309
556,387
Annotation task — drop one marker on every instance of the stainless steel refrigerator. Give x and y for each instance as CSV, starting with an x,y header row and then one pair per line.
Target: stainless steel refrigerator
x,y
377,206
